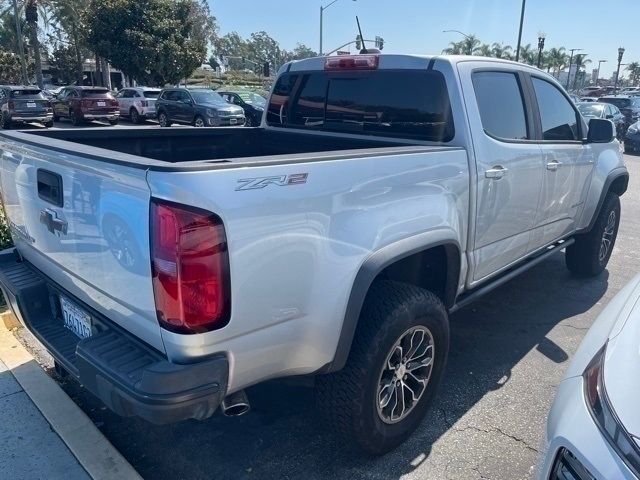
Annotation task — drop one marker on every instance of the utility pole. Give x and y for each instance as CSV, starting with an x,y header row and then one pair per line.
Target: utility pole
x,y
23,62
600,62
520,31
620,54
570,63
541,37
322,9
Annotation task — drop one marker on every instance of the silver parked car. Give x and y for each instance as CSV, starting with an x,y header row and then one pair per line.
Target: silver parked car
x,y
138,103
593,431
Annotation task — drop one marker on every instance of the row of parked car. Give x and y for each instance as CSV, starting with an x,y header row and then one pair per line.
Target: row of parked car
x,y
201,107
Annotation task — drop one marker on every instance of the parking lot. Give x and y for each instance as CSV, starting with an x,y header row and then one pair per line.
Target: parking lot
x,y
508,353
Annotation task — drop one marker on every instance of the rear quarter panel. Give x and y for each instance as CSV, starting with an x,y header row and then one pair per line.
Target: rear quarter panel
x,y
295,250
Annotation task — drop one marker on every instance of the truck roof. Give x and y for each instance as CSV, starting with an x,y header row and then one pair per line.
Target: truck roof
x,y
392,60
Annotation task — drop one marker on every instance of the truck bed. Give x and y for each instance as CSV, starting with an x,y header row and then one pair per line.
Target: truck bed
x,y
186,148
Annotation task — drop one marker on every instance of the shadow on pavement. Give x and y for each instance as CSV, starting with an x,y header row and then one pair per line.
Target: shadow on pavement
x,y
282,436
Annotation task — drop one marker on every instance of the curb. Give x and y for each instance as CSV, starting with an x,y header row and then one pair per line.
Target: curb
x,y
92,450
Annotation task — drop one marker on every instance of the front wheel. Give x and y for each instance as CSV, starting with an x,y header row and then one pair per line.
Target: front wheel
x,y
198,122
113,122
48,124
163,120
395,366
590,253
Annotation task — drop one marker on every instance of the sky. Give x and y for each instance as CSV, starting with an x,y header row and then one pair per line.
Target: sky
x,y
415,26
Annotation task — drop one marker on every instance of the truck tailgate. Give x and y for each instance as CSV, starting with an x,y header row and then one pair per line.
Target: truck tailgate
x,y
85,224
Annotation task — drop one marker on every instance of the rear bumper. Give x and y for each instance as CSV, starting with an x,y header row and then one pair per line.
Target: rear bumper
x,y
131,378
45,117
101,116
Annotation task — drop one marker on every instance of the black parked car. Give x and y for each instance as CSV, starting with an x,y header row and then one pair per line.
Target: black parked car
x,y
629,106
22,104
252,104
591,110
198,107
632,139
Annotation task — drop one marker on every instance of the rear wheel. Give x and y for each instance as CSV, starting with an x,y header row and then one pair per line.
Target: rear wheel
x,y
163,119
394,368
135,116
75,118
6,121
198,121
590,253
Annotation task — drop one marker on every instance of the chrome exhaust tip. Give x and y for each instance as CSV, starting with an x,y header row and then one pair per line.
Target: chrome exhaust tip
x,y
235,404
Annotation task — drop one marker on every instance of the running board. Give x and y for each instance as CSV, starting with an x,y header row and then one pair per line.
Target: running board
x,y
473,295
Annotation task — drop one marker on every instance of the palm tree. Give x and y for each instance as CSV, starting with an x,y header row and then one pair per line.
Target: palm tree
x,y
454,48
634,72
470,45
527,55
484,50
557,59
581,60
500,50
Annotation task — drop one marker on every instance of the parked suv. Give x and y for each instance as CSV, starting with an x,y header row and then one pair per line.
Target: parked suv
x,y
82,104
21,104
198,107
629,106
591,110
252,104
138,103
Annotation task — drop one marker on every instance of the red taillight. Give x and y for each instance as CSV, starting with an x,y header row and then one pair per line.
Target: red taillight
x,y
113,102
190,268
355,62
86,102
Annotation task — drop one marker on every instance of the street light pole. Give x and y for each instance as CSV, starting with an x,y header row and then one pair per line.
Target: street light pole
x,y
322,9
457,31
541,37
520,31
16,12
620,54
600,62
570,63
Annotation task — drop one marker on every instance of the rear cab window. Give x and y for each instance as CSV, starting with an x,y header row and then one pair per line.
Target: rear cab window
x,y
392,103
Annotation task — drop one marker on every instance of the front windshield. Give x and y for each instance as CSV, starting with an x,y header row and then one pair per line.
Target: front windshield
x,y
206,96
593,111
253,99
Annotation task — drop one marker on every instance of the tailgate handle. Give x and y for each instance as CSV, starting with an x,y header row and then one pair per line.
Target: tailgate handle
x,y
50,187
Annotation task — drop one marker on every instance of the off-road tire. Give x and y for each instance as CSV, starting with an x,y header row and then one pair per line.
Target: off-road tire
x,y
584,257
347,399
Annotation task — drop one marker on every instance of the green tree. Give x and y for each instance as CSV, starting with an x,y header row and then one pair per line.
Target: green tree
x,y
64,61
454,48
157,42
10,68
231,45
527,55
500,50
484,50
68,25
634,72
301,52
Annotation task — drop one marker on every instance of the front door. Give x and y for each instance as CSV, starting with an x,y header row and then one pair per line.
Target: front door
x,y
508,166
568,164
185,108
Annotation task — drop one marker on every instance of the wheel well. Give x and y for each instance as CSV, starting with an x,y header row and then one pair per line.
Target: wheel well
x,y
435,269
619,185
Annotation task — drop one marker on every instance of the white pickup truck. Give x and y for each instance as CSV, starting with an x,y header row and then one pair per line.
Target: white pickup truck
x,y
169,270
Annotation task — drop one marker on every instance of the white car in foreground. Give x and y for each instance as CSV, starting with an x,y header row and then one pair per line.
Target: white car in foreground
x,y
593,431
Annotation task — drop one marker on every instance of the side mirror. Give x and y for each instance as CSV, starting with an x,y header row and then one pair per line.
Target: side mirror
x,y
600,131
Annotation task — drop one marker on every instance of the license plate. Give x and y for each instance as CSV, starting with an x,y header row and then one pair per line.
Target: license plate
x,y
75,319
102,104
31,104
233,121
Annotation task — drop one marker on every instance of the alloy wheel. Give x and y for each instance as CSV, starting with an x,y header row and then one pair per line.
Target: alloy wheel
x,y
405,374
607,236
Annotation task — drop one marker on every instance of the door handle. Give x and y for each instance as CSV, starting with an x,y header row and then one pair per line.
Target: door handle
x,y
497,172
554,165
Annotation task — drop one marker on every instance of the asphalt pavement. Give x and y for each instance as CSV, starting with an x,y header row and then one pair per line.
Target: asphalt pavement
x,y
509,351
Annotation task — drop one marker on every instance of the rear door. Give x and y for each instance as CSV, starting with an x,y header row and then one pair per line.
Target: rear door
x,y
508,165
85,224
567,163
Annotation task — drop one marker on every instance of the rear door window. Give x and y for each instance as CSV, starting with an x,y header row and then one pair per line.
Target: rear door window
x,y
33,94
395,103
501,105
